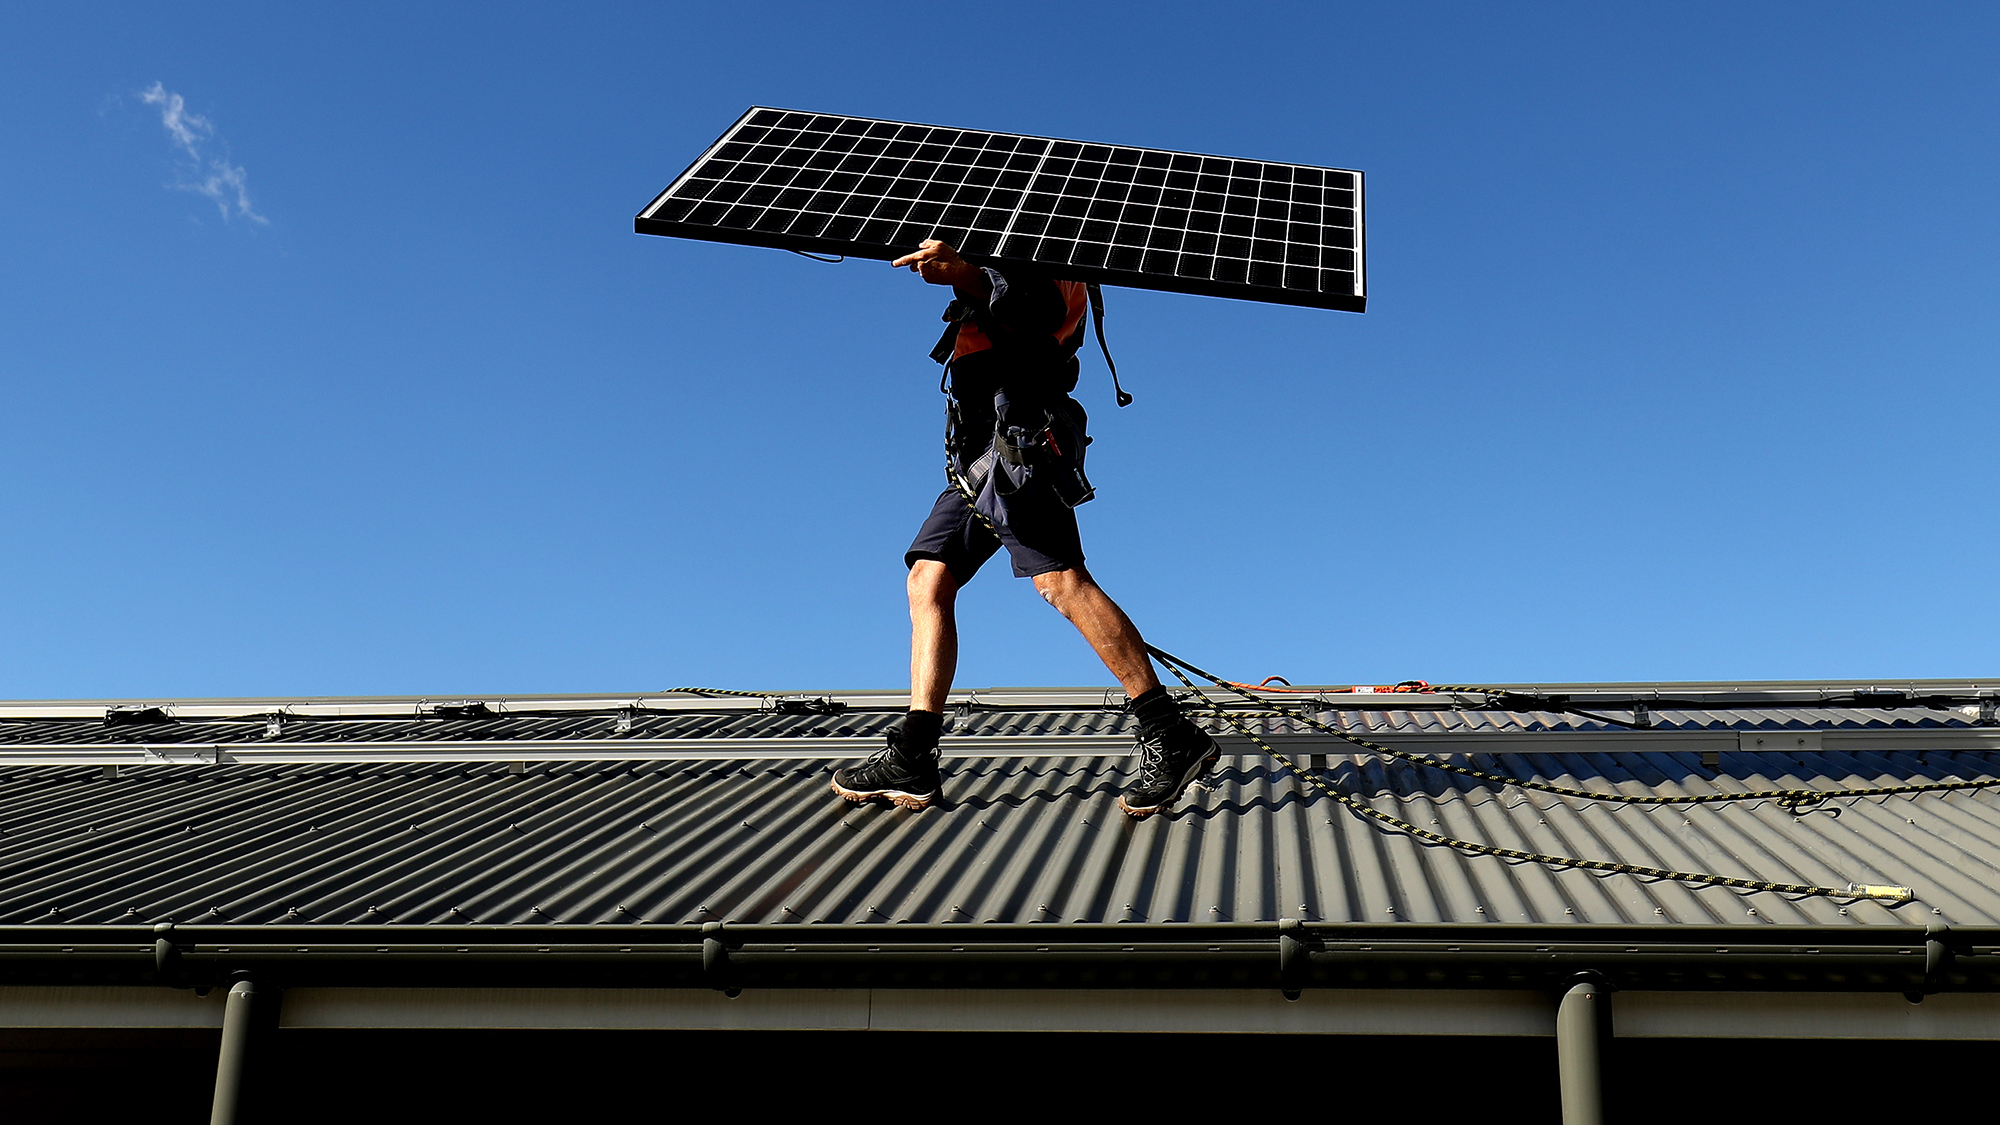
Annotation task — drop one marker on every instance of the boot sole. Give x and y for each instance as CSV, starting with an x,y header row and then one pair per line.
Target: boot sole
x,y
915,802
1195,774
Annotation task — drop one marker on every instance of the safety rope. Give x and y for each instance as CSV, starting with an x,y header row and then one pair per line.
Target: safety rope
x,y
1473,847
1796,801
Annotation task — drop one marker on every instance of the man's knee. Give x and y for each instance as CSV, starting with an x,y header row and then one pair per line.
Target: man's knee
x,y
931,584
1059,587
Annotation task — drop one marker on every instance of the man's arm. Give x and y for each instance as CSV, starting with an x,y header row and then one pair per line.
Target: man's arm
x,y
939,264
1032,307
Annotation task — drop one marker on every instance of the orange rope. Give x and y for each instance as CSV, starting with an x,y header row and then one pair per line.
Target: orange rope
x,y
1363,689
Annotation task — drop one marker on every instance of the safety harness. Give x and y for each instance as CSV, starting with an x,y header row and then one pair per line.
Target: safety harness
x,y
960,311
1041,436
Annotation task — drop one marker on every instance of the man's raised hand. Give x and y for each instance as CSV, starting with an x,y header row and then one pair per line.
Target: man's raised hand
x,y
939,264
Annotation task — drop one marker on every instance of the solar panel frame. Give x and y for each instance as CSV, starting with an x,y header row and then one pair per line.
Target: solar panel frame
x,y
1153,218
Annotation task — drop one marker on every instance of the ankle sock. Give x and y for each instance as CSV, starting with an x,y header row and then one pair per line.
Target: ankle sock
x,y
921,731
1156,710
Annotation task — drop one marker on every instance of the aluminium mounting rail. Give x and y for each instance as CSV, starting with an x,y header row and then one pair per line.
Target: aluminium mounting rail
x,y
1700,742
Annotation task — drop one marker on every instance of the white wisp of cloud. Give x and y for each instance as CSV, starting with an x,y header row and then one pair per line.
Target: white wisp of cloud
x,y
214,178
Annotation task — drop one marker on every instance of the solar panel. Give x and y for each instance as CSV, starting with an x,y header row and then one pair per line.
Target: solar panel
x,y
1142,217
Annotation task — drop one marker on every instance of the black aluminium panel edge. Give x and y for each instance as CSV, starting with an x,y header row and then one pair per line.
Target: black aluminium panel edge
x,y
1361,234
1354,300
1339,302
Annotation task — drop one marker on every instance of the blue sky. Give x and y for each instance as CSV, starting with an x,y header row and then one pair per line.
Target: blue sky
x,y
1679,364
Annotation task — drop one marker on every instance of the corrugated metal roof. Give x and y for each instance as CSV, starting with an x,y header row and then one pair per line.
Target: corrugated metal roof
x,y
1020,839
1105,717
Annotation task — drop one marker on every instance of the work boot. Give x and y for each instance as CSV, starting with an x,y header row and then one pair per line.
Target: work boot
x,y
907,776
1169,760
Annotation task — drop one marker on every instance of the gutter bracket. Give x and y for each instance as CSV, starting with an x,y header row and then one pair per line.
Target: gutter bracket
x,y
715,966
1938,958
1295,945
167,958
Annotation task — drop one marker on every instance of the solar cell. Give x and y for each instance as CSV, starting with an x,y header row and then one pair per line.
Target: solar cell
x,y
1148,218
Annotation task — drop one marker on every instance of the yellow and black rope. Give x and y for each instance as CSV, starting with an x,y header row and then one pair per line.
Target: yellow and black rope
x,y
1174,665
1473,847
1794,800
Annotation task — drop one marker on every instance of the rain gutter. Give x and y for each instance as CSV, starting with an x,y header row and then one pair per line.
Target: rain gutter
x,y
1288,955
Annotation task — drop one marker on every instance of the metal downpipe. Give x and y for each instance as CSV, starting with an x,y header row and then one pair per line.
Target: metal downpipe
x,y
244,1013
1583,1030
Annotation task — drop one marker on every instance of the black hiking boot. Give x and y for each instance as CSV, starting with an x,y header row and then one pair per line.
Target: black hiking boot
x,y
909,781
1169,762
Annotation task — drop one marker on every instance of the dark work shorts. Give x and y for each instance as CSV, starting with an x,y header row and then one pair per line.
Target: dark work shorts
x,y
1039,534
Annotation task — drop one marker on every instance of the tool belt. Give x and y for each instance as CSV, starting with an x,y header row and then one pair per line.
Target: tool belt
x,y
1030,442
1037,433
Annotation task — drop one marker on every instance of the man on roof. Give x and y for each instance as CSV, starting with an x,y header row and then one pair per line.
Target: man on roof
x,y
1015,442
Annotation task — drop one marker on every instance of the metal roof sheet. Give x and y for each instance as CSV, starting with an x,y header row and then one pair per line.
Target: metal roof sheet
x,y
1021,838
1101,715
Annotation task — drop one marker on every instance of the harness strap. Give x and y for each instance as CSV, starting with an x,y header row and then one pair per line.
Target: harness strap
x,y
959,311
955,316
1097,319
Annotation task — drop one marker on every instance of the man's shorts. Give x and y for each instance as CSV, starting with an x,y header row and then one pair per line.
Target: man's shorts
x,y
1040,535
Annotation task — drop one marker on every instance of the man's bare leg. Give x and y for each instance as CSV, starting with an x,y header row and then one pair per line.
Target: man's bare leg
x,y
1116,640
906,772
1174,750
933,634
